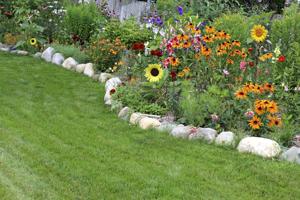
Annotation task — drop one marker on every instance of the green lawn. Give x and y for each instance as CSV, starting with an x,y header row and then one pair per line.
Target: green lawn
x,y
58,141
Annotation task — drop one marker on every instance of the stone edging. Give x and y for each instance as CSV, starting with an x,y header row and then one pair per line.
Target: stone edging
x,y
255,145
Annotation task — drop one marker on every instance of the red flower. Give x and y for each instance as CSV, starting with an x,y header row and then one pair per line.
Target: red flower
x,y
156,52
251,64
173,75
138,46
281,58
250,50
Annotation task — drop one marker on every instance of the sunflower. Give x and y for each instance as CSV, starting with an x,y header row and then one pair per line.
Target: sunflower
x,y
154,72
33,41
259,33
255,123
241,94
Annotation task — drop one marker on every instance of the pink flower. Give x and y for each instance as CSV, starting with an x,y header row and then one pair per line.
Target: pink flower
x,y
243,65
226,72
249,114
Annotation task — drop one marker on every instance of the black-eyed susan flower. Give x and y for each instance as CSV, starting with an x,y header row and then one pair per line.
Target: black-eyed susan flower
x,y
241,94
174,61
274,121
269,87
272,108
255,123
33,41
154,72
259,33
210,29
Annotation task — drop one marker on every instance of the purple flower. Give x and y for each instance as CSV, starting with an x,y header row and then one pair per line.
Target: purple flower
x,y
226,72
180,10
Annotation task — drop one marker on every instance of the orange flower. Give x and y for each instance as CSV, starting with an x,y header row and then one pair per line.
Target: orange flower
x,y
272,108
210,29
207,39
259,109
274,121
174,61
221,52
182,37
187,44
186,70
229,61
269,87
190,26
255,123
236,43
258,89
205,51
181,74
248,87
241,94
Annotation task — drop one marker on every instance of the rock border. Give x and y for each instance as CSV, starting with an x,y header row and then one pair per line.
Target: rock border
x,y
263,147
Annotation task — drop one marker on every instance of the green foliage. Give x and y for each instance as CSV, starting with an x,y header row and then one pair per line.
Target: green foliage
x,y
287,30
82,21
133,97
196,107
129,31
72,51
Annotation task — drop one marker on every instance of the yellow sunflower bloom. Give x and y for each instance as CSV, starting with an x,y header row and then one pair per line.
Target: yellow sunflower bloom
x,y
33,41
259,33
154,72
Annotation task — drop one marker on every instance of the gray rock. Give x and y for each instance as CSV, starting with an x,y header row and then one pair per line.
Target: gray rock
x,y
112,83
58,59
37,55
96,77
181,131
104,77
226,138
47,54
292,155
166,127
80,68
148,123
69,63
207,134
89,70
125,113
260,146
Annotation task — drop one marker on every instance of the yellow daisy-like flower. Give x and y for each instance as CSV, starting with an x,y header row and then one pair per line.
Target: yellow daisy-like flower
x,y
259,33
154,72
255,123
33,41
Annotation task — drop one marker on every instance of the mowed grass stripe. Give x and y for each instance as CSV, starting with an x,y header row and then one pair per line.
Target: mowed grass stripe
x,y
54,126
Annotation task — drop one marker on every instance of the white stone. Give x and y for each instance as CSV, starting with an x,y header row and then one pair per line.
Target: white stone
x,y
260,146
21,52
58,59
112,83
47,54
225,138
124,113
135,118
104,77
207,134
80,68
292,155
4,49
69,63
89,70
96,77
181,131
107,98
148,123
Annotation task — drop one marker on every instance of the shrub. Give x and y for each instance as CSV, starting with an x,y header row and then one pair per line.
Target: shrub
x,y
105,53
129,32
81,22
132,96
72,51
